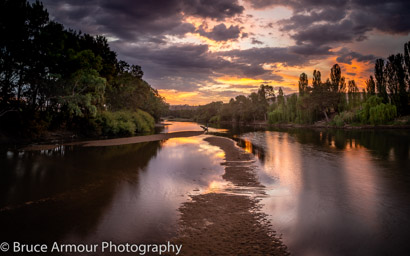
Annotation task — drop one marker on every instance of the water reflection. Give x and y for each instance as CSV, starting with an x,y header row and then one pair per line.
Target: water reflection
x,y
337,192
180,126
189,126
86,195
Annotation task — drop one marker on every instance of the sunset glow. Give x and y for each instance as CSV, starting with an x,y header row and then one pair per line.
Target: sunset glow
x,y
202,52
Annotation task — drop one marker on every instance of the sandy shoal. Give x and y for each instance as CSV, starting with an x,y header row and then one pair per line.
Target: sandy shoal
x,y
228,223
117,141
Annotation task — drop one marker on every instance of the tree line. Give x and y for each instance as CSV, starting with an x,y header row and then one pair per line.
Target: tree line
x,y
52,78
337,101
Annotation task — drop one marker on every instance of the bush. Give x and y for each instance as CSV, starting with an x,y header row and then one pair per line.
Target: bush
x,y
338,121
215,119
382,113
125,123
375,112
345,117
276,116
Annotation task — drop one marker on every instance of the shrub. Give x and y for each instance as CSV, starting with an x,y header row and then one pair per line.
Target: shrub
x,y
375,112
382,113
345,117
338,121
125,123
215,119
276,116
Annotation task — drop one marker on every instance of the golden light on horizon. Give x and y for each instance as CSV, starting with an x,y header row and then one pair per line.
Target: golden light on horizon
x,y
240,81
179,97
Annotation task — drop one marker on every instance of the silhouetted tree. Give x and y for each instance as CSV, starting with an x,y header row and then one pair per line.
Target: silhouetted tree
x,y
337,80
317,80
370,86
407,63
380,81
395,78
303,84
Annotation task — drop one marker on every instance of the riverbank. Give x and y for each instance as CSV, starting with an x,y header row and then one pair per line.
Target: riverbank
x,y
229,223
320,124
117,141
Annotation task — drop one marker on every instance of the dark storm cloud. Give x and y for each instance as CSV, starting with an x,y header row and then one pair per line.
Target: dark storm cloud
x,y
221,32
322,34
142,29
346,56
255,41
265,55
387,16
310,50
138,19
216,9
298,5
195,64
299,21
322,22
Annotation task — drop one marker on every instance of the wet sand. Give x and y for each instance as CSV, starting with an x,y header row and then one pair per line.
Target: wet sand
x,y
118,141
229,223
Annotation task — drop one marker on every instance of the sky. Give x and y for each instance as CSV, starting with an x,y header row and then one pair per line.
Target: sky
x,y
198,51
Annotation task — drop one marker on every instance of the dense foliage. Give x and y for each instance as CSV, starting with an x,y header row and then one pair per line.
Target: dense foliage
x,y
52,77
241,109
335,100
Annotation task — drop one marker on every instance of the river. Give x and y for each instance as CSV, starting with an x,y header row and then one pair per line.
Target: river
x,y
328,192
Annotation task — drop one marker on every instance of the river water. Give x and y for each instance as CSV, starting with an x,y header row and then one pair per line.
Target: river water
x,y
329,192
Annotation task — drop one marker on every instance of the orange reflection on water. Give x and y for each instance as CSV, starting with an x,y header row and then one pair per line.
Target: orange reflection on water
x,y
248,146
215,186
361,182
178,141
181,126
218,153
282,161
284,158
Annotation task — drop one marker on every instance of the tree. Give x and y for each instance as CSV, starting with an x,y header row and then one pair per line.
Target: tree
x,y
317,80
303,84
49,74
260,101
395,78
353,93
407,63
380,81
22,60
281,98
337,81
84,91
370,86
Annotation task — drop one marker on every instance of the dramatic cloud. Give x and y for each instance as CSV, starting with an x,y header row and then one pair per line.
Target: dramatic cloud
x,y
195,62
310,50
298,5
301,21
256,41
216,9
138,19
227,47
346,56
322,22
323,34
221,32
265,55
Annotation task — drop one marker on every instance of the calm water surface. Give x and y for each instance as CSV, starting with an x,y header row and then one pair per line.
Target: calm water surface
x,y
127,193
329,192
338,192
